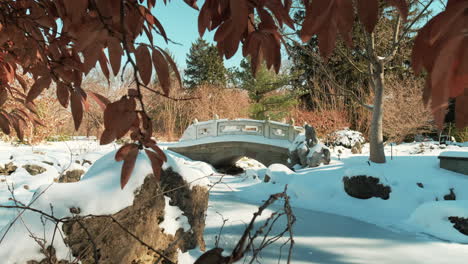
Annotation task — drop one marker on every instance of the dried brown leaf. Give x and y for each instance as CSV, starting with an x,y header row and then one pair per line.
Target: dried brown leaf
x,y
143,61
156,163
107,137
3,96
368,11
123,151
402,7
99,99
103,63
76,100
159,152
38,86
115,54
128,166
317,14
63,94
162,70
461,116
4,123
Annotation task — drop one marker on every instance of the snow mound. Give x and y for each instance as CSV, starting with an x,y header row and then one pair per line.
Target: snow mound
x,y
193,172
432,218
279,173
346,138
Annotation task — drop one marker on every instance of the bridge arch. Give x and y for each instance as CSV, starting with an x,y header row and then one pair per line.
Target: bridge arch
x,y
223,142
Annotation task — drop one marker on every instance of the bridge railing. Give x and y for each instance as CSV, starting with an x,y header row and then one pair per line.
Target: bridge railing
x,y
223,127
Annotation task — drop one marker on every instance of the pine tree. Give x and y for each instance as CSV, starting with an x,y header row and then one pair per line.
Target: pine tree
x,y
267,92
204,65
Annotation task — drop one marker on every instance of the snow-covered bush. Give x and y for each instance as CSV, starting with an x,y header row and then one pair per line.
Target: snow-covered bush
x,y
346,138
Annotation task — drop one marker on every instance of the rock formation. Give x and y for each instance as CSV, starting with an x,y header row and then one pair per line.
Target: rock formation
x,y
306,151
113,240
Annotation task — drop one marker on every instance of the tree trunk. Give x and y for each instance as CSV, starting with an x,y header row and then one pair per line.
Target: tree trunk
x,y
377,153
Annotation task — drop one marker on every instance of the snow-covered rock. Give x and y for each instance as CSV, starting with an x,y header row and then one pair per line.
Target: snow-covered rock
x,y
308,152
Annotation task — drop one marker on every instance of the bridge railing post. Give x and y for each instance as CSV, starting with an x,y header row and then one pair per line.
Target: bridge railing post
x,y
291,133
266,129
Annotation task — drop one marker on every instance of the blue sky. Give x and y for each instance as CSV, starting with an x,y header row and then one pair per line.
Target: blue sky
x,y
181,24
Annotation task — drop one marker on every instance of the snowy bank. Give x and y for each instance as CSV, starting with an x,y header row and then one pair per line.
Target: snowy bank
x,y
97,193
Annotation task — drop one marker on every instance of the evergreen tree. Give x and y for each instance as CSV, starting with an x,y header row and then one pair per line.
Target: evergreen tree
x,y
204,65
267,92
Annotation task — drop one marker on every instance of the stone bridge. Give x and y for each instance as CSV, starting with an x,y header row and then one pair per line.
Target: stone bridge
x,y
222,142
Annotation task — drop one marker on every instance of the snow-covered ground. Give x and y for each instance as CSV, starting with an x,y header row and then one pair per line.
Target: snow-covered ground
x,y
332,227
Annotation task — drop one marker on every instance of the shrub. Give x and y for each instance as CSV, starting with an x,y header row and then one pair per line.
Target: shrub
x,y
405,114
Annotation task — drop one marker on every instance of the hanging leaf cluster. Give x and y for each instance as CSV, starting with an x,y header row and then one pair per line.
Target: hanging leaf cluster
x,y
441,48
234,23
58,42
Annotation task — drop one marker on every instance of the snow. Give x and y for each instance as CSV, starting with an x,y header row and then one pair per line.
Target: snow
x,y
279,173
454,154
173,219
194,172
298,142
332,227
432,218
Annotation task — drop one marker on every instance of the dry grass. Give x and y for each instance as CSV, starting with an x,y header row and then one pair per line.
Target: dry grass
x,y
324,121
405,114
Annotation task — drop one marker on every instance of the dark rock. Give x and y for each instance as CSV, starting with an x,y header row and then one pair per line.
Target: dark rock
x,y
9,169
115,245
34,169
267,178
319,157
420,185
451,196
365,187
75,210
460,223
48,163
231,170
71,176
293,158
86,161
302,152
310,135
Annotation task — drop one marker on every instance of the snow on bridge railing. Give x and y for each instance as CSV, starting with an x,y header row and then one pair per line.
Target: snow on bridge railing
x,y
223,127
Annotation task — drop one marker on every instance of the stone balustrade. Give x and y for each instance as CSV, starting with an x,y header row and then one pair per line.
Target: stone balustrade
x,y
223,127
